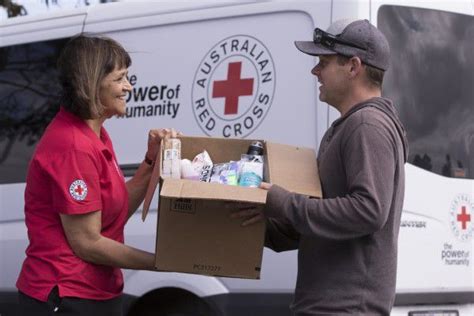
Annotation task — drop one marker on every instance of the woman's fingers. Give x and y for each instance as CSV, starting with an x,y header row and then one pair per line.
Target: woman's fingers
x,y
154,139
162,133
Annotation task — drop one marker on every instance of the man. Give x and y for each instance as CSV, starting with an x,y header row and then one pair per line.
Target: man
x,y
347,241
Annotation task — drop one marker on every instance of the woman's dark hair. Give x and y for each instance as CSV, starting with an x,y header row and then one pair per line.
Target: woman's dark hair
x,y
84,62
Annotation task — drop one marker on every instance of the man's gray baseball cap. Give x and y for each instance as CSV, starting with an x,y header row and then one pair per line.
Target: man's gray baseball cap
x,y
350,38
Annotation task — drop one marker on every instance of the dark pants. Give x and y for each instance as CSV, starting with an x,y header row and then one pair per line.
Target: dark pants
x,y
68,306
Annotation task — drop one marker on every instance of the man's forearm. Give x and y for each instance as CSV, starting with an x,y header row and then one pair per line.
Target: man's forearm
x,y
280,237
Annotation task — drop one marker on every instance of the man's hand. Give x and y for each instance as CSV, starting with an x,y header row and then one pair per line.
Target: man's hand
x,y
250,213
154,139
265,185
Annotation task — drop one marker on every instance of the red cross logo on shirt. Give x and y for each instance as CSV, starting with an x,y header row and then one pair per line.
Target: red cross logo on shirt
x,y
463,217
232,88
78,190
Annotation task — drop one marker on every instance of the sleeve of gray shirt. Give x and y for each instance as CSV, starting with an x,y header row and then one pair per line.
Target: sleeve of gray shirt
x,y
369,161
280,236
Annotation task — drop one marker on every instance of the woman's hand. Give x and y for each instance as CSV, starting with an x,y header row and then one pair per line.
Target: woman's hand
x,y
154,139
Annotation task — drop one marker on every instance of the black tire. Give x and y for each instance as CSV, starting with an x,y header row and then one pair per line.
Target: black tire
x,y
170,302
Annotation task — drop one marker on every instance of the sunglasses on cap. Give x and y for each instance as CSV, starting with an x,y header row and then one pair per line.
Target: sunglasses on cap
x,y
329,40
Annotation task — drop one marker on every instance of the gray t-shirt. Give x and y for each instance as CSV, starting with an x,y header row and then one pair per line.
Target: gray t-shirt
x,y
347,241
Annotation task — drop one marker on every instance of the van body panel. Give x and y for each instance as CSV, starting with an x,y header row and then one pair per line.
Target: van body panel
x,y
154,76
148,281
426,219
429,213
10,194
43,27
436,237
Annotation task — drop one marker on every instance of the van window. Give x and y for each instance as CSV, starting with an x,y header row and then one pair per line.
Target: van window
x,y
29,99
431,80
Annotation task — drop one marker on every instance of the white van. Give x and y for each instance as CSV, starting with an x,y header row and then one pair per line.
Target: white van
x,y
180,50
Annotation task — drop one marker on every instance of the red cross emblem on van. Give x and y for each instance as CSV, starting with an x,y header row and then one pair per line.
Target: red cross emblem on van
x,y
461,210
463,217
232,88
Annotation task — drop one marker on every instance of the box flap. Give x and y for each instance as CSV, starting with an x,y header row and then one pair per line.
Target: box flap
x,y
154,180
180,188
293,168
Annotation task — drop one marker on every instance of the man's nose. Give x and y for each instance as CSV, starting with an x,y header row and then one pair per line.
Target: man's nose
x,y
315,70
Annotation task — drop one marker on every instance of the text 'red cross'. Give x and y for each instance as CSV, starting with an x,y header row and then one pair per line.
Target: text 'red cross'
x,y
232,88
464,218
78,190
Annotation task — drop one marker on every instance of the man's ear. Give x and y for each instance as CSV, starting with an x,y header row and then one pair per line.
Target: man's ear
x,y
355,66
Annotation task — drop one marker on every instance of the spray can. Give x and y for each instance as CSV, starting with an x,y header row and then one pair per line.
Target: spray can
x,y
255,148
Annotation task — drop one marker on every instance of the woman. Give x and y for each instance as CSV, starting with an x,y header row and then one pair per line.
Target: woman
x,y
76,200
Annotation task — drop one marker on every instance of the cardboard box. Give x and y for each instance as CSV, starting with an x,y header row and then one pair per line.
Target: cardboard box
x,y
195,233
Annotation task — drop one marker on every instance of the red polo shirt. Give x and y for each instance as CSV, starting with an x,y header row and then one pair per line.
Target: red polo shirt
x,y
72,172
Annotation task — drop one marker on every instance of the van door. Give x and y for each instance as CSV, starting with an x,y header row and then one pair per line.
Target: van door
x,y
230,71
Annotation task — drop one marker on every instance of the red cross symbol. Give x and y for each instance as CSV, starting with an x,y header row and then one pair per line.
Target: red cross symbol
x,y
232,88
79,190
464,217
